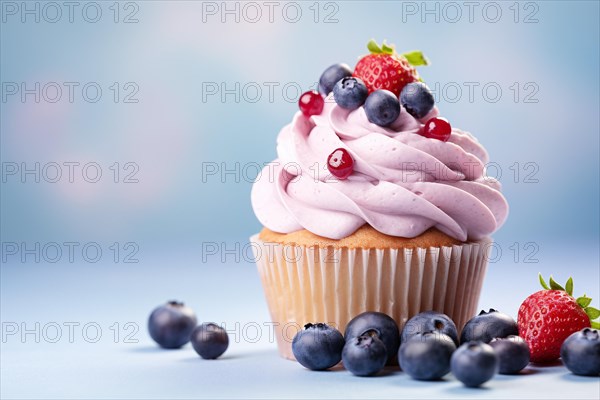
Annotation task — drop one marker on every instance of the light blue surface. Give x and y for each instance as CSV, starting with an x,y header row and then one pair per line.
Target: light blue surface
x,y
189,231
228,294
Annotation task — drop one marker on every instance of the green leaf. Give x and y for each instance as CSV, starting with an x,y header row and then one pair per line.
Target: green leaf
x,y
554,285
584,301
592,312
569,286
595,325
543,282
387,49
373,47
416,58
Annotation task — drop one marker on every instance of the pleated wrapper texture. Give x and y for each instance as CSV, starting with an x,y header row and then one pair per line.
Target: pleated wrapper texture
x,y
305,284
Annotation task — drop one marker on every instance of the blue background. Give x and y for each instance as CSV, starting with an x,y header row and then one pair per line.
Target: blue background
x,y
177,131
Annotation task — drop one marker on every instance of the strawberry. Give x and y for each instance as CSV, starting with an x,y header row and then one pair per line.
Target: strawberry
x,y
386,69
548,317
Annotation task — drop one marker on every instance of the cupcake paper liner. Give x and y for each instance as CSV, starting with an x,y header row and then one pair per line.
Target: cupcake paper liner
x,y
313,284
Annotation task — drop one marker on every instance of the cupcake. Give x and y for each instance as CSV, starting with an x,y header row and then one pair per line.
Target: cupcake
x,y
374,203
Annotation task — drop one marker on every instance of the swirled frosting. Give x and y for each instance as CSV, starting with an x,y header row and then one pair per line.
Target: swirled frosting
x,y
402,184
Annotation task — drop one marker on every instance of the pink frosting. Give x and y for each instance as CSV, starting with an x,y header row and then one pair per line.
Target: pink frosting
x,y
402,184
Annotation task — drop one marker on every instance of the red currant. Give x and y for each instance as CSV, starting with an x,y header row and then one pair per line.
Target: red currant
x,y
340,164
311,103
437,128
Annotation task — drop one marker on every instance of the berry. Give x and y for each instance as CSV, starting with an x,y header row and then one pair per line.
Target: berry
x,y
340,163
426,356
382,107
386,69
437,128
375,324
350,93
474,363
364,355
311,103
429,321
546,318
417,99
489,325
318,346
331,76
512,352
581,352
210,341
170,325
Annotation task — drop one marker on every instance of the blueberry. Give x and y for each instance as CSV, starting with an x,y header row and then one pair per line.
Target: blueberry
x,y
170,325
417,99
331,76
426,356
209,340
430,321
318,346
489,325
350,93
382,107
580,352
375,323
364,355
512,352
474,363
